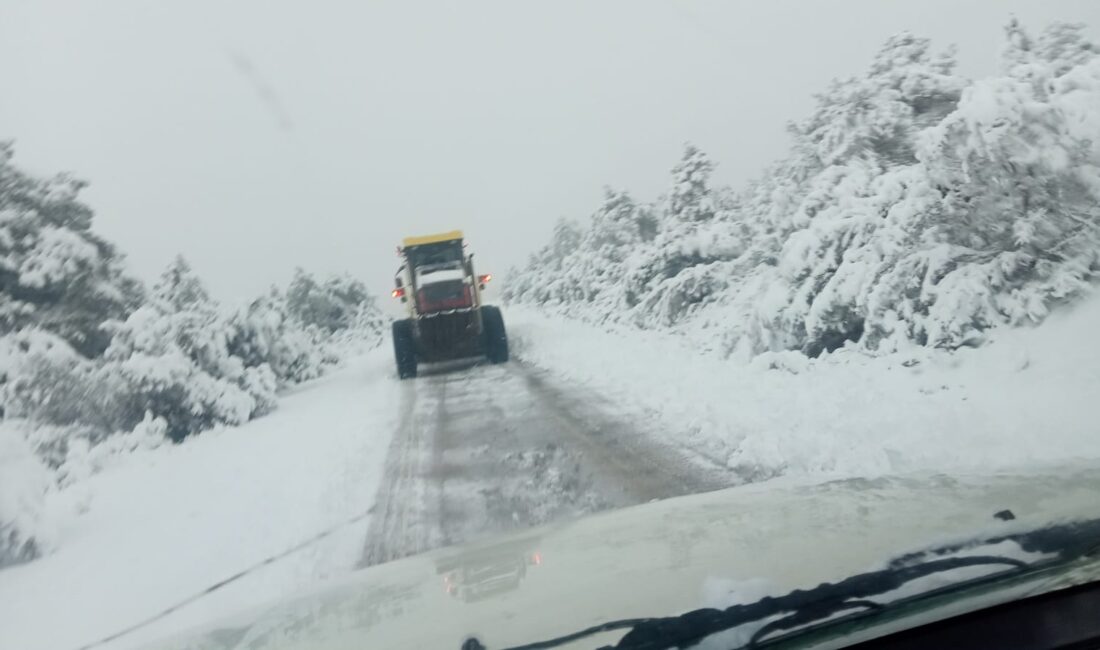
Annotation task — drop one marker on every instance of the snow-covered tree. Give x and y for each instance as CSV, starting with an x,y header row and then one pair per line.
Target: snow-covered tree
x,y
55,273
1064,46
875,116
179,289
563,242
618,228
915,206
690,198
696,233
263,333
331,305
551,280
1021,185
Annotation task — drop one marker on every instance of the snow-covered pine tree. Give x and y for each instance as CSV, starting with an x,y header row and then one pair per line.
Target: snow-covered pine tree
x,y
1021,182
618,228
263,333
179,289
697,233
55,273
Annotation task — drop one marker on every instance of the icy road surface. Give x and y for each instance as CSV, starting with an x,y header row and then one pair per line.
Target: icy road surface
x,y
483,449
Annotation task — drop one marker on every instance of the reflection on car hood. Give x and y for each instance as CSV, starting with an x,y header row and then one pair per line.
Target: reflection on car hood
x,y
659,559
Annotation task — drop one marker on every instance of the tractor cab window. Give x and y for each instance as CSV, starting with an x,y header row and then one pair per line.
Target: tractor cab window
x,y
440,253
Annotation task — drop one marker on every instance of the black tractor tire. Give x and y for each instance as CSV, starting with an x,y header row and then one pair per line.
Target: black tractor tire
x,y
496,338
404,349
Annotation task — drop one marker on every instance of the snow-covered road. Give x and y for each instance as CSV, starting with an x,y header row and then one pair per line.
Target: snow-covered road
x,y
583,419
485,449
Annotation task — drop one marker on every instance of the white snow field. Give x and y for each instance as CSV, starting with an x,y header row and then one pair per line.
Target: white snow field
x,y
1028,397
160,525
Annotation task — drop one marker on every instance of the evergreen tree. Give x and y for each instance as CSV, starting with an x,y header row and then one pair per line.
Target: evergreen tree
x,y
54,272
179,289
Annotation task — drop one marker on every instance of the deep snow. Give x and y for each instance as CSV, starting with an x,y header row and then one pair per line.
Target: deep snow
x,y
160,525
1028,397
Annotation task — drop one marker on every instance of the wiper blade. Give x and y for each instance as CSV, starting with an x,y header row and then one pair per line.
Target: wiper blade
x,y
802,607
810,604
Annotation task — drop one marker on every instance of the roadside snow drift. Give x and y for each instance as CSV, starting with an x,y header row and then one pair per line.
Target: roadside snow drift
x,y
1026,398
161,525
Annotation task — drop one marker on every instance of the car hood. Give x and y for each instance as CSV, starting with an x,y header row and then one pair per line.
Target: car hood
x,y
658,559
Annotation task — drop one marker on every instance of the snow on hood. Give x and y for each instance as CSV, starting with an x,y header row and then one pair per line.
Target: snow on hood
x,y
658,559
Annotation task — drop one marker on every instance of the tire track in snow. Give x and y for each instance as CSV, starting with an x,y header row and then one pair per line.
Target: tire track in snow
x,y
481,450
402,522
631,462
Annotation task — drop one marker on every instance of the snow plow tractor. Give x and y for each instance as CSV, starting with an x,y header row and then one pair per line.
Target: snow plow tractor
x,y
446,318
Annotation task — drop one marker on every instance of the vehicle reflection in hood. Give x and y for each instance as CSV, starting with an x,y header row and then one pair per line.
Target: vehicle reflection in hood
x,y
489,571
338,617
310,623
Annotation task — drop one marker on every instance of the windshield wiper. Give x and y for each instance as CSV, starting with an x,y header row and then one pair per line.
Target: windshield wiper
x,y
802,607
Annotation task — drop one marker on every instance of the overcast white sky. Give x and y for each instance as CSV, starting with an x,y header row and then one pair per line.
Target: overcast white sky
x,y
260,135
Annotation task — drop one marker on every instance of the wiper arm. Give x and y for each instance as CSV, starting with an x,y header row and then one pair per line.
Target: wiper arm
x,y
1069,541
805,605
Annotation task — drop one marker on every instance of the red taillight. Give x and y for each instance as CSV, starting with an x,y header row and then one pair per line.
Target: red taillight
x,y
536,558
484,279
398,293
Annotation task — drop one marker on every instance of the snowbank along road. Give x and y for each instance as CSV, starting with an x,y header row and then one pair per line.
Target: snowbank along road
x,y
485,449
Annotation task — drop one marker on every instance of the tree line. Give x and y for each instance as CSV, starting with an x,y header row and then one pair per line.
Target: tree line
x,y
915,207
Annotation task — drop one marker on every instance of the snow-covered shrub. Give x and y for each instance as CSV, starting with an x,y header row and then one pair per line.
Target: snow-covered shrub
x,y
24,481
915,207
27,474
172,359
45,380
85,458
171,366
181,358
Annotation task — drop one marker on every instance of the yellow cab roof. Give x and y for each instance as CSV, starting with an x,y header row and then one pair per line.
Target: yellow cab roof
x,y
431,239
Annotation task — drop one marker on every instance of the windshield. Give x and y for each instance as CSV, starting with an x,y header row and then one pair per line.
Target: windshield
x,y
698,306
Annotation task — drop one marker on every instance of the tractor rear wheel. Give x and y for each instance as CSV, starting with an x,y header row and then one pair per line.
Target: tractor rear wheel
x,y
496,339
404,348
